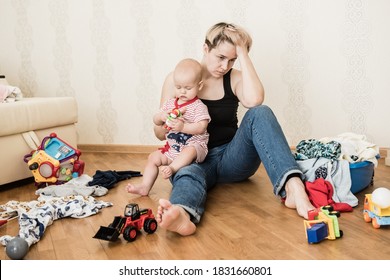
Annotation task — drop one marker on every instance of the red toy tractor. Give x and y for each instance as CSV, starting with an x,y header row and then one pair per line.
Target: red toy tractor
x,y
129,225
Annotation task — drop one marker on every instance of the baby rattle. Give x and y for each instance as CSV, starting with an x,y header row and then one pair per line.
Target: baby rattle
x,y
174,114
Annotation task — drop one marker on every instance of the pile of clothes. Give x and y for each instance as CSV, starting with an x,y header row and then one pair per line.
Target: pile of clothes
x,y
326,166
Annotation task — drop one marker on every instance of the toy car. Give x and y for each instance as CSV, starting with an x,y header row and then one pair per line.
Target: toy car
x,y
129,225
374,213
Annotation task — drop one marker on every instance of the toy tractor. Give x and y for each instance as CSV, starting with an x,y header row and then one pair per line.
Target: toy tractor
x,y
129,225
322,224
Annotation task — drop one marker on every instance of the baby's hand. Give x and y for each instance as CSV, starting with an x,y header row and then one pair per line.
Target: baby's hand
x,y
174,119
182,110
178,124
175,124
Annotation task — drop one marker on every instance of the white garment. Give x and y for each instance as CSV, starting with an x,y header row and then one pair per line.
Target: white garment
x,y
355,146
75,186
9,94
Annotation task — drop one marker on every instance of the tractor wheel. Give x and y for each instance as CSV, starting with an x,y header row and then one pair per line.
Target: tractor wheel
x,y
328,207
375,223
335,213
150,225
366,217
130,233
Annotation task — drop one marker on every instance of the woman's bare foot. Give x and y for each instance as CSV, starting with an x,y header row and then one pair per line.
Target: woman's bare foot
x,y
297,198
174,218
166,171
137,189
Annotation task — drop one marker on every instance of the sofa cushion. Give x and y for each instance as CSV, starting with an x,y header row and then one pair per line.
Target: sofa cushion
x,y
34,113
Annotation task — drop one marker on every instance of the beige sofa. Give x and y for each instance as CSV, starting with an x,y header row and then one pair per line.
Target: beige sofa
x,y
42,116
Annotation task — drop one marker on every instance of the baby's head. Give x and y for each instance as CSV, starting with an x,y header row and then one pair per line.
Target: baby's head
x,y
190,68
187,77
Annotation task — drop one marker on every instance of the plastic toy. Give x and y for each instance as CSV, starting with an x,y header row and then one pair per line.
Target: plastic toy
x,y
322,224
54,161
174,114
129,225
381,197
374,213
17,248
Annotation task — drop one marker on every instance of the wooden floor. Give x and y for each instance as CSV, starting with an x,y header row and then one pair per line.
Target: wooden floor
x,y
243,221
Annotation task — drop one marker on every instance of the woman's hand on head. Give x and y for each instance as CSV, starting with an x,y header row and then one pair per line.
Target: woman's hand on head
x,y
241,50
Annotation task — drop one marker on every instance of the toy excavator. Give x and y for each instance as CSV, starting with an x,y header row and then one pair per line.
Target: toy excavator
x,y
129,225
322,224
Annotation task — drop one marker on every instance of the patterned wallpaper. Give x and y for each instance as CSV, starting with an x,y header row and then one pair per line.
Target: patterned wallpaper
x,y
357,87
324,64
23,42
295,75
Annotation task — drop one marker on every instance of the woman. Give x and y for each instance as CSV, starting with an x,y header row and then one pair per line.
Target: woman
x,y
235,153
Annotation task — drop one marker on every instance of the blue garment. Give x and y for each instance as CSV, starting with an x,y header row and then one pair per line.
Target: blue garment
x,y
109,178
259,138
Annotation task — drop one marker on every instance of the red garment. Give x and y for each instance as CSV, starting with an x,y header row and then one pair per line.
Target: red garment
x,y
165,148
320,194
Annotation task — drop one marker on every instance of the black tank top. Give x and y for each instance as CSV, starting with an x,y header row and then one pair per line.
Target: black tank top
x,y
223,113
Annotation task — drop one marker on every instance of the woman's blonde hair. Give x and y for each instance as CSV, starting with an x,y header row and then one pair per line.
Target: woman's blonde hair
x,y
227,32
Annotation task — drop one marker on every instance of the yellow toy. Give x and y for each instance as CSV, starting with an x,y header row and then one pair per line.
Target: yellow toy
x,y
374,211
54,161
322,224
44,167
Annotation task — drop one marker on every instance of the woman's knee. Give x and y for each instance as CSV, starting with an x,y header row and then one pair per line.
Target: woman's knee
x,y
192,171
262,112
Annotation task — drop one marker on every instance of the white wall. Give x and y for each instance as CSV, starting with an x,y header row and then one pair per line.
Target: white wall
x,y
325,64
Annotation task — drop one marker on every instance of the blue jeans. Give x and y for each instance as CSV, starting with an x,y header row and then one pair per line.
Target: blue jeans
x,y
259,139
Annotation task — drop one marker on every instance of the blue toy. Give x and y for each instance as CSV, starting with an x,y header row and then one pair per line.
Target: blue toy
x,y
317,232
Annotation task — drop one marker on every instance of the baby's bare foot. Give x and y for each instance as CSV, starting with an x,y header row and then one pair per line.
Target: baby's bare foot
x,y
166,171
174,218
137,189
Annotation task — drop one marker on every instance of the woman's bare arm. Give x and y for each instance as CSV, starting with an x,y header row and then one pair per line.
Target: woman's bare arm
x,y
246,83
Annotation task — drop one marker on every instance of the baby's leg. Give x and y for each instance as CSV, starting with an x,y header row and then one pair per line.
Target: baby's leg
x,y
155,160
186,157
